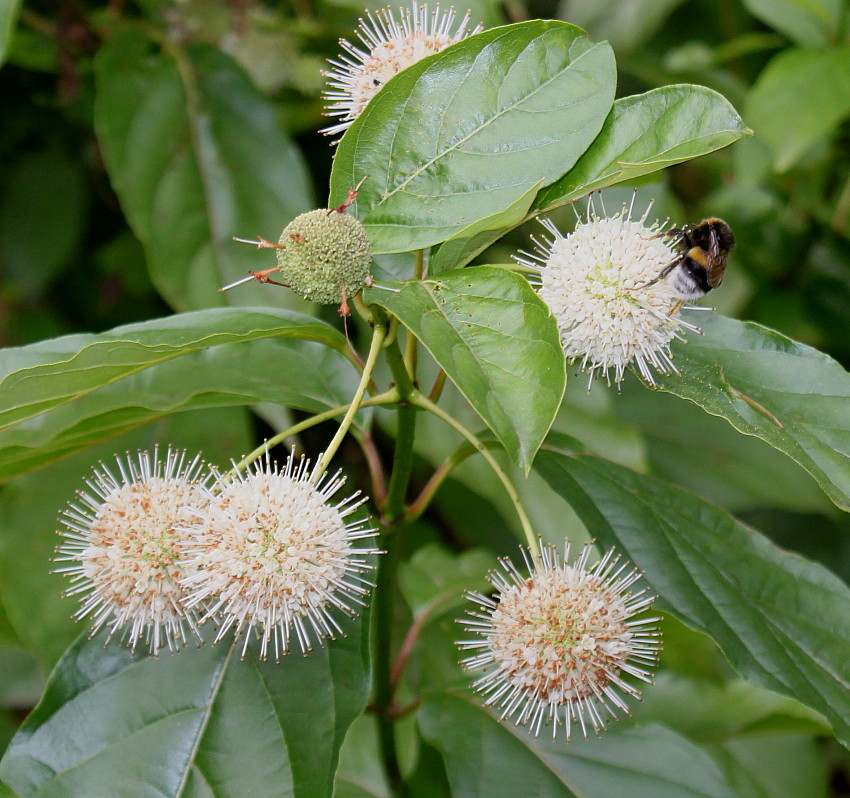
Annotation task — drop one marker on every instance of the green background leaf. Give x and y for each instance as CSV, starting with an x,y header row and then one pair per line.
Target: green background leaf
x,y
648,132
8,18
196,155
464,134
496,341
810,23
798,99
782,621
790,395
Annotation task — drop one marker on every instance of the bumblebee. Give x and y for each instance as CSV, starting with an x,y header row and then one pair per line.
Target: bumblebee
x,y
703,251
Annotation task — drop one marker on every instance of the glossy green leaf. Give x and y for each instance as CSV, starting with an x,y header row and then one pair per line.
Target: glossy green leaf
x,y
810,23
40,376
496,341
648,132
297,374
790,395
782,621
8,18
466,133
464,245
196,155
194,724
810,87
31,595
488,759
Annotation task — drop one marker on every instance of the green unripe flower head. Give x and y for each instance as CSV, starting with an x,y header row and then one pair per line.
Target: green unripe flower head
x,y
324,251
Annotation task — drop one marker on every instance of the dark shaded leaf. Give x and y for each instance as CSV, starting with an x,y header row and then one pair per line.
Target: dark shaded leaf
x,y
781,621
767,385
196,155
196,723
488,759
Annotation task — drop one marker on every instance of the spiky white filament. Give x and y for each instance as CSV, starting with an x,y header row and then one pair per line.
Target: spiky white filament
x,y
123,537
391,46
560,645
596,281
275,556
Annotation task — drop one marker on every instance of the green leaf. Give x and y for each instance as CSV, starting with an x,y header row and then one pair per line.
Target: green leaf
x,y
767,385
496,340
810,87
626,26
775,766
7,792
40,376
8,18
466,133
297,374
648,132
708,456
198,723
42,212
707,711
488,759
464,245
810,23
782,621
196,155
433,580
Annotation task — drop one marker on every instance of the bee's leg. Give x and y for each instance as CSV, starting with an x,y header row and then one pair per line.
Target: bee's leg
x,y
664,272
676,308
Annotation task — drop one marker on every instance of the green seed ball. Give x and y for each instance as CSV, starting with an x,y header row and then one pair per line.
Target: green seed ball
x,y
324,251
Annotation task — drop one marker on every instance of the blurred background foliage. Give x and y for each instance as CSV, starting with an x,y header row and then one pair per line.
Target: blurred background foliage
x,y
94,234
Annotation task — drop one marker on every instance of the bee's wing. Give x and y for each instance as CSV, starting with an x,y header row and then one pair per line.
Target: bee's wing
x,y
715,262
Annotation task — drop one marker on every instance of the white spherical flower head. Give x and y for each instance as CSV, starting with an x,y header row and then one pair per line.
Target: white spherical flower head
x,y
124,536
596,283
391,46
275,555
561,645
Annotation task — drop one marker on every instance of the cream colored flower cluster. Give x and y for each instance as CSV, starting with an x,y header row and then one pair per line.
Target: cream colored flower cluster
x,y
600,282
391,45
562,646
157,547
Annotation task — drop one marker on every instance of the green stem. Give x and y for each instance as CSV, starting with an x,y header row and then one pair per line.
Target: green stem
x,y
379,332
419,400
387,398
383,605
393,508
402,464
410,351
421,502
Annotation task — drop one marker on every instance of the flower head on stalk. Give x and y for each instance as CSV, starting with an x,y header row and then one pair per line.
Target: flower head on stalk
x,y
273,554
124,536
391,46
600,284
561,645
